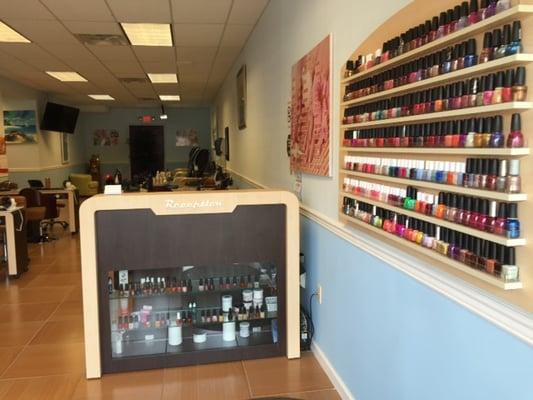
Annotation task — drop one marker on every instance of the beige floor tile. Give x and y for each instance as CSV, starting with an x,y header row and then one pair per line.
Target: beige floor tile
x,y
26,312
222,381
180,383
18,333
46,360
58,332
34,295
53,280
67,311
328,394
272,376
7,355
142,385
75,294
46,388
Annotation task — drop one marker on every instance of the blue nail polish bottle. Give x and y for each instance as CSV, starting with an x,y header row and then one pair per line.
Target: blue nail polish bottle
x,y
512,225
470,57
515,46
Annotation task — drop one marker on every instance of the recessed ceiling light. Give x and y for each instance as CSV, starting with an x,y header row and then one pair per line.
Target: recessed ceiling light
x,y
101,97
170,97
148,34
8,34
67,76
163,78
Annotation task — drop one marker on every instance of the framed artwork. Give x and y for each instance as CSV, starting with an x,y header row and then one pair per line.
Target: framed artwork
x,y
241,97
226,142
105,137
310,137
20,127
187,137
65,156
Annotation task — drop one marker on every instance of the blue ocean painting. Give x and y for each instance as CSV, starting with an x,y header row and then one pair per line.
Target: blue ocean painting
x,y
20,126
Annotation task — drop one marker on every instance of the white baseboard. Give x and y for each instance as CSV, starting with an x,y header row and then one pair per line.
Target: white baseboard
x,y
335,379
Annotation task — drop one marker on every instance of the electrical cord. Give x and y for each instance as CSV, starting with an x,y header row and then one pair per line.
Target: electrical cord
x,y
19,229
311,324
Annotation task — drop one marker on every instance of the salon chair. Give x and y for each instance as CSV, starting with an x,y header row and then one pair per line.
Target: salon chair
x,y
49,201
35,213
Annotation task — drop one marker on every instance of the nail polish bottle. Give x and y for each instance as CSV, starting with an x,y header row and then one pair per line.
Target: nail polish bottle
x,y
451,210
462,22
481,221
496,41
453,248
482,13
487,51
513,181
510,269
459,215
515,46
492,176
489,90
443,25
473,17
478,135
497,138
434,28
491,8
501,181
501,51
466,214
515,138
492,216
507,92
474,214
484,174
487,132
500,225
519,88
481,91
512,225
491,256
470,134
498,88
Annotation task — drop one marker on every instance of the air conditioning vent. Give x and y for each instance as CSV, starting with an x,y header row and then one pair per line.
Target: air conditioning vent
x,y
102,39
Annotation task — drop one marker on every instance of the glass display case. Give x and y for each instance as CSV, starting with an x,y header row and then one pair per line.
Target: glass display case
x,y
192,309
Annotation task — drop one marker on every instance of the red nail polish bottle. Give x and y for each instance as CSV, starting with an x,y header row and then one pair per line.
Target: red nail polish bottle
x,y
467,211
493,174
507,92
501,220
491,219
481,221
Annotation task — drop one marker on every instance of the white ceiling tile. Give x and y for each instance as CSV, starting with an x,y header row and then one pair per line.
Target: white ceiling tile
x,y
23,50
88,68
159,67
24,9
68,51
91,27
154,53
236,35
200,11
192,70
153,11
197,34
246,11
228,53
133,76
112,53
196,55
83,10
43,31
85,88
126,67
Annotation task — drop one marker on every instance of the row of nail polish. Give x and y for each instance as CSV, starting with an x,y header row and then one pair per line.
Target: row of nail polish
x,y
466,133
447,22
501,87
476,173
453,58
481,214
483,255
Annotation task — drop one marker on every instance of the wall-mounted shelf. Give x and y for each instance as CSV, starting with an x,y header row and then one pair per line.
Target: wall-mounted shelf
x,y
506,62
482,110
447,224
516,12
441,187
501,152
493,280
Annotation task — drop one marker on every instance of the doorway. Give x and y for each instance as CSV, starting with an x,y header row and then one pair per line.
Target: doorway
x,y
147,149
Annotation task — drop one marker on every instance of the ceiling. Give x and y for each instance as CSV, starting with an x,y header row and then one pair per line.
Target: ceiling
x,y
208,36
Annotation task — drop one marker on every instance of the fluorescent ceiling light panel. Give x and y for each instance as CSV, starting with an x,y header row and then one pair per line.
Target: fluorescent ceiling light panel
x,y
9,35
148,34
67,76
101,97
170,97
163,78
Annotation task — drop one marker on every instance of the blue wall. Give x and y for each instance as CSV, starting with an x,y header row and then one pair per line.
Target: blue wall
x,y
121,119
392,338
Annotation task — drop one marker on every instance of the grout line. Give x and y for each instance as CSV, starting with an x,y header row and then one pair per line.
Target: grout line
x,y
247,379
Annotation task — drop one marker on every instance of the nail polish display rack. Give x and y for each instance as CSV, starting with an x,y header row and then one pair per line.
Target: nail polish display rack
x,y
424,11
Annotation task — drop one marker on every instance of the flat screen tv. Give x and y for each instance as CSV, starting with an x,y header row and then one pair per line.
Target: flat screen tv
x,y
59,118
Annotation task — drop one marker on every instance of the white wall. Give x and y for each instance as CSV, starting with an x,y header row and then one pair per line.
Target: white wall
x,y
286,32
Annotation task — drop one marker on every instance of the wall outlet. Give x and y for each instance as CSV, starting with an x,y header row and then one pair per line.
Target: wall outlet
x,y
319,294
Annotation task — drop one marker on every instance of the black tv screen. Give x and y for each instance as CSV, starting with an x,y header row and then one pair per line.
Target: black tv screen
x,y
59,118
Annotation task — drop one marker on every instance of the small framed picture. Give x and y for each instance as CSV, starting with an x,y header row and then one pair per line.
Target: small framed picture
x,y
241,96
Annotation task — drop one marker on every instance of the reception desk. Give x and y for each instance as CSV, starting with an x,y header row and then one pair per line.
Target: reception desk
x,y
173,279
